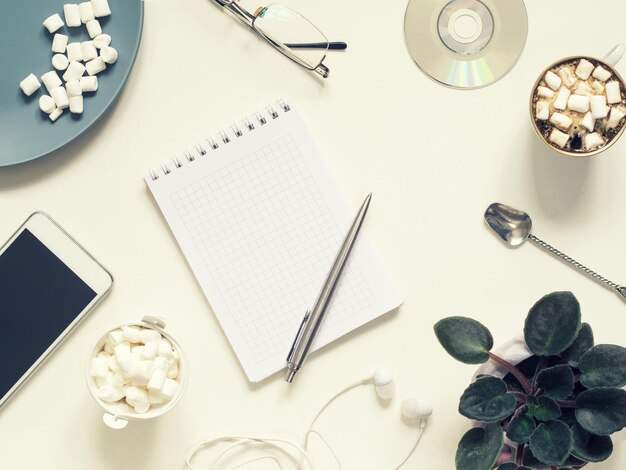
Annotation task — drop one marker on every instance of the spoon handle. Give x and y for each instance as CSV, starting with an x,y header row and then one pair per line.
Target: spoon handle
x,y
620,290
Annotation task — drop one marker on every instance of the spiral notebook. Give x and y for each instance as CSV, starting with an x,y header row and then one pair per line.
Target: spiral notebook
x,y
260,220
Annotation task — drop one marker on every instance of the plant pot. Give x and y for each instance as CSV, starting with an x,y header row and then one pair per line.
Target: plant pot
x,y
513,351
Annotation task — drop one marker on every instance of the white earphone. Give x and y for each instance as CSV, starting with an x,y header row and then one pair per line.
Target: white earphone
x,y
412,409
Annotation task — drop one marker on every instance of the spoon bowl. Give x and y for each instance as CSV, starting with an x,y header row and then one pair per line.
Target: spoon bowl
x,y
510,224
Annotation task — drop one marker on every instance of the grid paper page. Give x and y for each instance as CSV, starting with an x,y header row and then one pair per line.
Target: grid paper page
x,y
259,223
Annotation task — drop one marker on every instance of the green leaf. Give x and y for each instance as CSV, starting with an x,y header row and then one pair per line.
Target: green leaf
x,y
589,447
603,365
552,442
511,466
581,344
552,324
601,411
480,448
465,339
521,428
546,409
487,400
556,382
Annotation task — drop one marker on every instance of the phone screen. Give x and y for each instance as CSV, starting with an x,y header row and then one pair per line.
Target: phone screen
x,y
39,298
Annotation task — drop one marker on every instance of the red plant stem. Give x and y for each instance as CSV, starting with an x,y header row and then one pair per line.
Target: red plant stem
x,y
519,455
513,370
567,403
553,467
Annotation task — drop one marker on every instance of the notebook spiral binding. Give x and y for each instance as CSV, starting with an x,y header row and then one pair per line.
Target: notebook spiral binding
x,y
199,150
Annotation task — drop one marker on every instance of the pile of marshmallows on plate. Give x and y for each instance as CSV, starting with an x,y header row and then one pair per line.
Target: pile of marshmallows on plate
x,y
580,96
74,58
137,365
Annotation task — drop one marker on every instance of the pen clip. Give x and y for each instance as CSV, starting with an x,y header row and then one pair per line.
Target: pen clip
x,y
298,335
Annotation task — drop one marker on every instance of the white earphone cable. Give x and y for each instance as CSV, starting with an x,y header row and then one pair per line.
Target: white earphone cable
x,y
420,432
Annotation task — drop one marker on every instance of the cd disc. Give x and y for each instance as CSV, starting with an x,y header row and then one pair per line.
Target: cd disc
x,y
465,43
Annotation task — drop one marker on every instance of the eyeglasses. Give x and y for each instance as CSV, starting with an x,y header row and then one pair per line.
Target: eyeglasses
x,y
289,32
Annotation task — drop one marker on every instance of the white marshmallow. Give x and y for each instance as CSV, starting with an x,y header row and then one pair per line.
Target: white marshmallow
x,y
100,8
161,363
74,52
170,389
157,380
99,366
165,348
109,54
72,14
59,95
137,350
88,51
136,395
59,43
101,40
578,103
76,104
553,80
127,364
151,349
583,89
561,98
141,407
104,354
597,87
131,333
51,80
146,335
54,115
562,121
46,104
30,84
73,88
542,110
569,80
89,83
86,12
116,336
143,370
593,141
60,62
584,69
613,92
589,122
617,114
559,138
109,394
175,354
601,73
544,92
113,365
74,71
53,23
93,28
118,380
122,349
155,397
172,371
599,109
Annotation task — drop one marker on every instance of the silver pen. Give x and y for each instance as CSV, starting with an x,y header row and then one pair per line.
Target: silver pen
x,y
313,318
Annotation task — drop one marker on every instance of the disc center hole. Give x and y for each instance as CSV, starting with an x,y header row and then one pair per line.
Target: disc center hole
x,y
466,26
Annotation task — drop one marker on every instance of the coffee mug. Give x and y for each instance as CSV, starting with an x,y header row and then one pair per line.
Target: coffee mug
x,y
566,113
118,414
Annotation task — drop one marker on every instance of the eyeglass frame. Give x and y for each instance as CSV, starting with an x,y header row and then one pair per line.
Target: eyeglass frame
x,y
249,19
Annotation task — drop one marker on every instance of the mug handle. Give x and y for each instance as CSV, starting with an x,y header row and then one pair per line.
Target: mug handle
x,y
613,57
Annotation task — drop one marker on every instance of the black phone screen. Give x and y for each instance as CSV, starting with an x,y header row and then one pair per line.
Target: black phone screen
x,y
39,298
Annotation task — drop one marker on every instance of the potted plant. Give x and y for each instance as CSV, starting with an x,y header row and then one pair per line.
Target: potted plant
x,y
554,410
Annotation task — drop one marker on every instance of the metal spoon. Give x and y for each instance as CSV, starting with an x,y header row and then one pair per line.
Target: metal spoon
x,y
514,227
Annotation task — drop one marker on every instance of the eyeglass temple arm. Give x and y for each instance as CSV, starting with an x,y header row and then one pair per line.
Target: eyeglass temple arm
x,y
332,46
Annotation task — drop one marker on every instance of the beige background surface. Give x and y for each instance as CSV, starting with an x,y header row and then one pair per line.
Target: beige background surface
x,y
434,159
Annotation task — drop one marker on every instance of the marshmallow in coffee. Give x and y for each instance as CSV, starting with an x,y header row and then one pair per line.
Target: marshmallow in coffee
x,y
579,105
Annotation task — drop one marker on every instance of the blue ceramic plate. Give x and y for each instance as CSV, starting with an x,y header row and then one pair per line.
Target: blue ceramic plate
x,y
25,132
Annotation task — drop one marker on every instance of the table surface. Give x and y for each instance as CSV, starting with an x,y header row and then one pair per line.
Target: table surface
x,y
434,159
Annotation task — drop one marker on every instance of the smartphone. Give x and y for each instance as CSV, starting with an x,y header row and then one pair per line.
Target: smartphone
x,y
48,284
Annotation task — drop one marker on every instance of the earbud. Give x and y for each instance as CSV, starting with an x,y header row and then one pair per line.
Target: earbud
x,y
384,384
414,408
